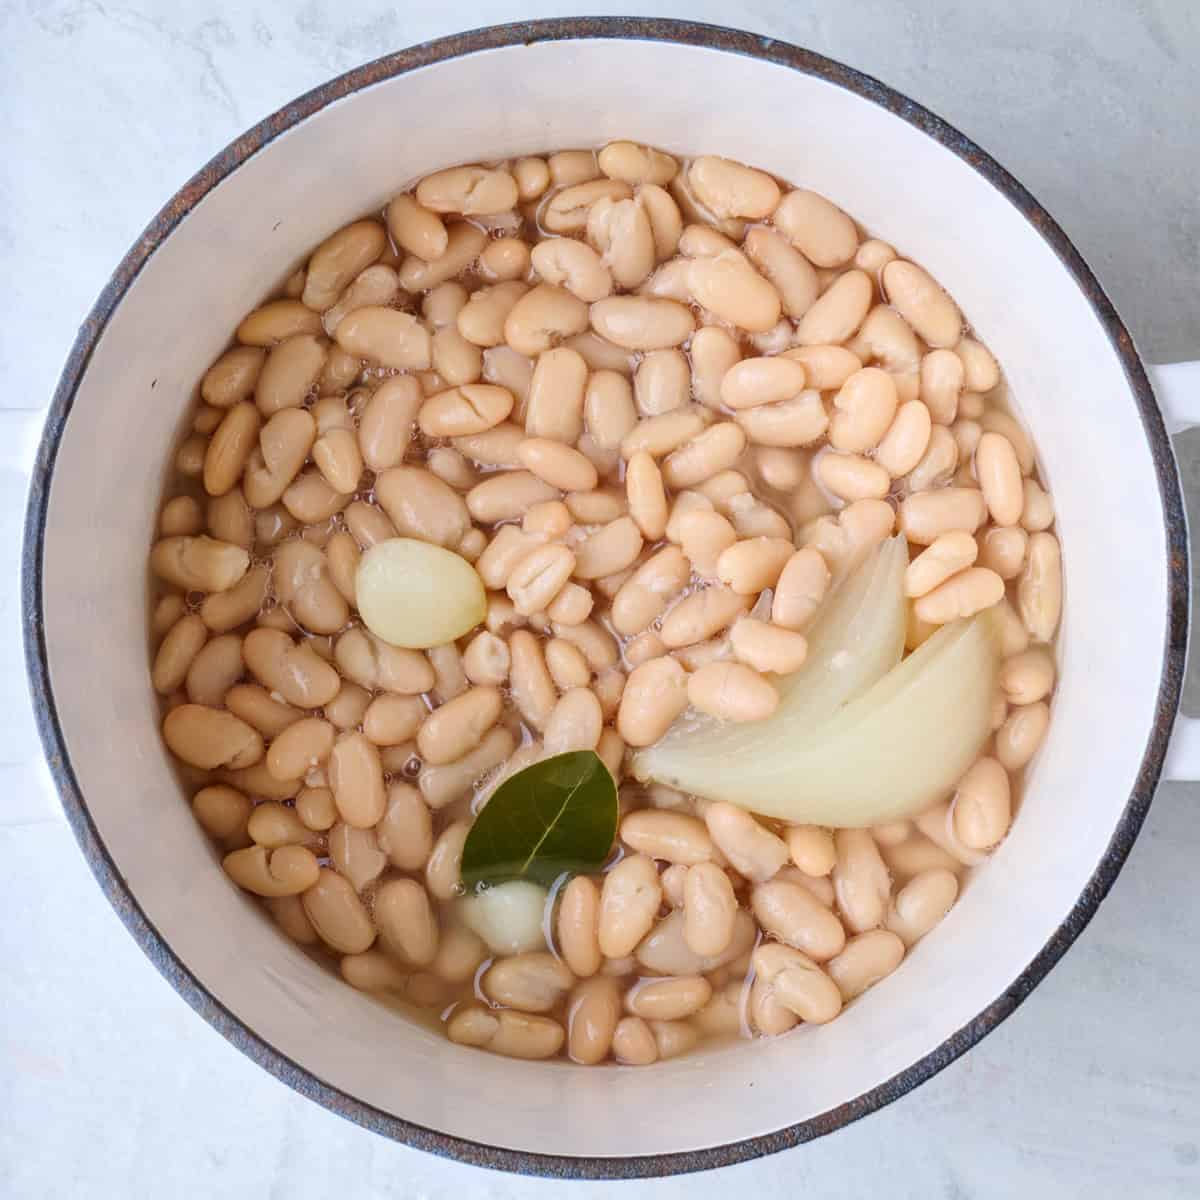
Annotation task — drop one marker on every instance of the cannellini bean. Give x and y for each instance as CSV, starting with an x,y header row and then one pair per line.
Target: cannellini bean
x,y
671,837
727,285
752,850
198,563
1003,550
597,644
214,670
176,653
508,1032
1027,677
980,369
867,958
505,258
571,606
962,595
481,320
542,316
1037,510
710,910
1039,590
649,590
608,408
927,515
458,726
276,321
406,922
795,422
620,228
838,312
797,982
945,556
356,780
421,506
766,647
906,441
258,708
230,447
303,745
287,871
732,691
860,880
941,384
922,303
557,464
633,1043
1018,739
470,191
593,1011
181,515
851,477
865,408
789,271
462,411
655,694
374,664
533,982
641,323
209,737
747,567
574,723
801,587
706,455
506,496
339,259
921,903
792,914
634,164
416,228
565,262
885,337
391,720
982,805
629,902
533,690
539,576
700,615
999,475
609,550
668,999
703,536
811,849
224,813
232,377
755,381
824,234
661,382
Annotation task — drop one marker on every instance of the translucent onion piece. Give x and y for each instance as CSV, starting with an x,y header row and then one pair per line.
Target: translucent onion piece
x,y
416,594
899,748
508,916
857,638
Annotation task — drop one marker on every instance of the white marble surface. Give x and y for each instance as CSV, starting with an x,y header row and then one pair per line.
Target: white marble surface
x,y
109,1084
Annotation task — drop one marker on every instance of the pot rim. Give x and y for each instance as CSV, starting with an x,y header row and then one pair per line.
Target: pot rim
x,y
107,873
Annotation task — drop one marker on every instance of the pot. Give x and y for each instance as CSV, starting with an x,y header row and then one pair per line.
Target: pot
x,y
245,221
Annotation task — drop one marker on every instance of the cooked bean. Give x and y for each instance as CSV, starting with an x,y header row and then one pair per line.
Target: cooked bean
x,y
655,694
629,902
214,670
927,515
755,381
1018,739
223,812
642,323
798,983
572,264
706,455
1037,508
702,614
356,779
634,164
337,914
315,807
232,377
1039,590
851,477
867,958
860,880
838,312
795,422
1003,550
198,563
176,653
753,851
790,913
533,690
459,725
577,922
999,475
471,191
671,837
703,536
922,303
945,556
593,1011
416,229
801,587
747,567
1027,677
789,271
406,922
645,595
610,549
811,849
208,737
272,825
633,1043
710,909
275,321
921,904
727,285
818,228
767,648
534,982
574,723
287,871
962,595
463,411
620,228
982,806
732,692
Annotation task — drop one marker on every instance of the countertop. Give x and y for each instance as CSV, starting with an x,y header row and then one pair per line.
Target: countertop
x,y
109,1084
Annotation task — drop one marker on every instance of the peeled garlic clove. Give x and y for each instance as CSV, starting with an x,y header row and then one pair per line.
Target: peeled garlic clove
x,y
416,594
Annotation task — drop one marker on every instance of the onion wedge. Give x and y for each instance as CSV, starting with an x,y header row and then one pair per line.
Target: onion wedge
x,y
857,639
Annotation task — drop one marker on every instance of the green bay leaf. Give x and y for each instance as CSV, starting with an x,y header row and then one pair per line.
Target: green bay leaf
x,y
558,815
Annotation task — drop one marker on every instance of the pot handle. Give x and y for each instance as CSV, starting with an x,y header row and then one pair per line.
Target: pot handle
x,y
1177,386
24,777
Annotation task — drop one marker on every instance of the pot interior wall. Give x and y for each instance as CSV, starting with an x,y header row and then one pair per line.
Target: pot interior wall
x,y
255,226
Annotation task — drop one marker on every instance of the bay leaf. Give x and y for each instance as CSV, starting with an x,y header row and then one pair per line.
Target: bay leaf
x,y
558,815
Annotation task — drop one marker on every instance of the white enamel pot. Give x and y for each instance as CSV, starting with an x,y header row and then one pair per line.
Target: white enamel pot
x,y
247,219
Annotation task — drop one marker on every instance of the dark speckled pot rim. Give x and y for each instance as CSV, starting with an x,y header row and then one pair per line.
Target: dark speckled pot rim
x,y
107,872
